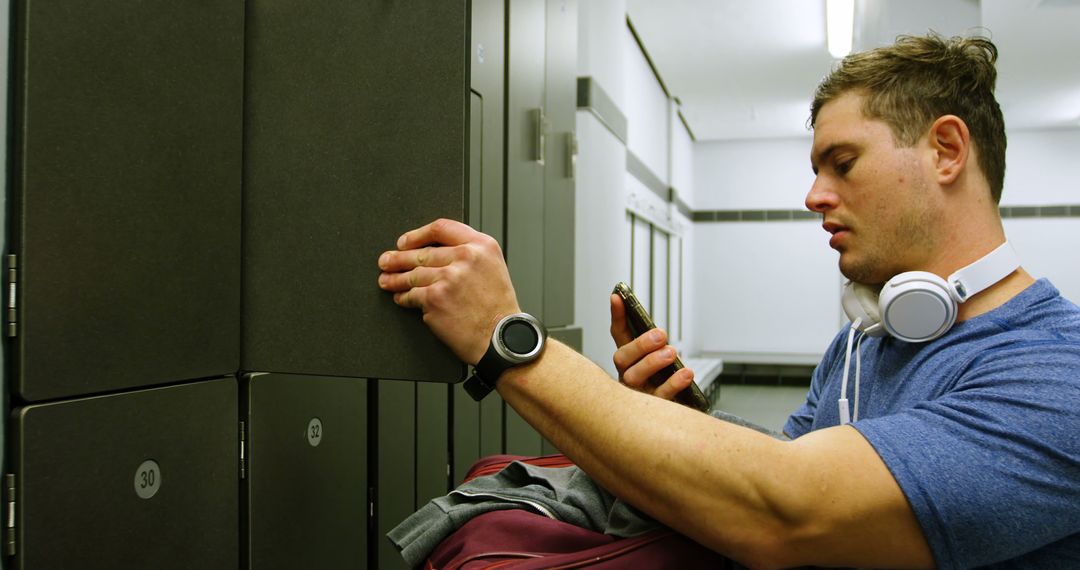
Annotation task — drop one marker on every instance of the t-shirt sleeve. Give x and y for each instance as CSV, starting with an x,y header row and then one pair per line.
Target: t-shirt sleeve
x,y
992,468
801,421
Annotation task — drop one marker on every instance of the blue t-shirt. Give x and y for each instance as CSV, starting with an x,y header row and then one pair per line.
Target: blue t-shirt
x,y
980,428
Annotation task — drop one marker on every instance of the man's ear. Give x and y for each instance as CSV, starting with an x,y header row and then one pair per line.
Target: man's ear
x,y
951,142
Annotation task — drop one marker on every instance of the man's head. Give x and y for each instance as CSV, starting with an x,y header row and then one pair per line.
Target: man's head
x,y
910,84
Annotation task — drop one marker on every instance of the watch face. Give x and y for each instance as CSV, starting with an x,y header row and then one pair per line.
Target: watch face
x,y
520,337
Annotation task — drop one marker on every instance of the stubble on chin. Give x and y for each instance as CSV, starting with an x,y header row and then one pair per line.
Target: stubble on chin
x,y
885,256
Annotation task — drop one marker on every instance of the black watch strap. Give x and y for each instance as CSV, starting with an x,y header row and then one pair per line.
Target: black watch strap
x,y
524,339
486,373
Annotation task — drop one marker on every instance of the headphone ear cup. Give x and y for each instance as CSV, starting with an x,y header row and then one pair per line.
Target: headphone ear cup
x,y
916,306
861,302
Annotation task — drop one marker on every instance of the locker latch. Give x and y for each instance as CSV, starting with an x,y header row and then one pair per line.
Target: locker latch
x,y
541,126
9,528
243,462
11,319
571,155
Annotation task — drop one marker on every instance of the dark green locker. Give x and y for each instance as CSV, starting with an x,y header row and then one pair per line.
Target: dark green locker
x,y
306,472
125,194
432,441
466,431
396,476
144,479
355,130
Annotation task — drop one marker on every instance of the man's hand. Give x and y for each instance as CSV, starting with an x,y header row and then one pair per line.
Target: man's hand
x,y
637,359
457,277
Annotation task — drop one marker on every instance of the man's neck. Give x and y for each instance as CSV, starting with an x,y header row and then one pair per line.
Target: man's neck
x,y
996,295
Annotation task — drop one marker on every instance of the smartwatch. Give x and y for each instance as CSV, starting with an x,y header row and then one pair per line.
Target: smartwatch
x,y
518,339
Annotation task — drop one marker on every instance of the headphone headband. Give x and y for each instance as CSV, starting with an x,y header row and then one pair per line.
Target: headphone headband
x,y
917,306
979,276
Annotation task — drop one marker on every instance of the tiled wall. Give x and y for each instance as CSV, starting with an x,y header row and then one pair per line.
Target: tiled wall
x,y
1007,212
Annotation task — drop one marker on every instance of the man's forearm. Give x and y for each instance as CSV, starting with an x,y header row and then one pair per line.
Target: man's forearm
x,y
687,469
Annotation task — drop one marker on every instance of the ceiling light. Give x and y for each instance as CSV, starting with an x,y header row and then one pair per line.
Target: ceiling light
x,y
839,26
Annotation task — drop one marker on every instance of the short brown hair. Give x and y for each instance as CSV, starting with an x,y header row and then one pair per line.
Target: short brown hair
x,y
920,78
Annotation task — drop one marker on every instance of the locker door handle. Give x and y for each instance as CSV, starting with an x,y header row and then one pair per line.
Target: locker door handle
x,y
540,131
571,154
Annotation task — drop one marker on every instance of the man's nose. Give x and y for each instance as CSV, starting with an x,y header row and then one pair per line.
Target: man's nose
x,y
820,198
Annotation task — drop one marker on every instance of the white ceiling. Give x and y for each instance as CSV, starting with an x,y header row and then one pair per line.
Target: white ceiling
x,y
748,68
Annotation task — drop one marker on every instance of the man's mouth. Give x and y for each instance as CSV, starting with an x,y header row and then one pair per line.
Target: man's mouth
x,y
838,231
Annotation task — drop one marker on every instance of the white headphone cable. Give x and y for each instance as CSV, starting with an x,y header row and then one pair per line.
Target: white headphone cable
x,y
845,412
858,373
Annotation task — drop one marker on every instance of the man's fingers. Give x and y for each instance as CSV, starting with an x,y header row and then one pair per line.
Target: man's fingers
x,y
634,350
410,259
400,282
637,375
677,383
442,231
411,299
620,331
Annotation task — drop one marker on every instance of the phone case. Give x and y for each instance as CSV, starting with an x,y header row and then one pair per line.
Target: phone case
x,y
640,321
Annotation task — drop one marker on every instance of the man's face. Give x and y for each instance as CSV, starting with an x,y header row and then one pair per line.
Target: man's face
x,y
874,197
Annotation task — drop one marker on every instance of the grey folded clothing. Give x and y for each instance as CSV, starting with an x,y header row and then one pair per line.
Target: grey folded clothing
x,y
732,418
567,494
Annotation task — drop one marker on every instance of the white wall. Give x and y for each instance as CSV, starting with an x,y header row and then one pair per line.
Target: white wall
x,y
765,290
646,109
682,160
752,174
1047,248
601,26
600,234
1042,168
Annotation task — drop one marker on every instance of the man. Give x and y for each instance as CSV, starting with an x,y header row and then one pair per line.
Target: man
x,y
965,453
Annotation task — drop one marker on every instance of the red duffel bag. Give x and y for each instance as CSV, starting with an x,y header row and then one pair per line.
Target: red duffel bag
x,y
523,540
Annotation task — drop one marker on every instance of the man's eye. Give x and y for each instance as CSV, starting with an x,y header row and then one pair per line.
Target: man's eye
x,y
844,167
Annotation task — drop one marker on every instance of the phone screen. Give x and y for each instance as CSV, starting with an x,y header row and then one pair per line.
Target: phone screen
x,y
640,321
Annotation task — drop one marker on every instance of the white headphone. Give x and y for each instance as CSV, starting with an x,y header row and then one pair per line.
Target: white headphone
x,y
917,306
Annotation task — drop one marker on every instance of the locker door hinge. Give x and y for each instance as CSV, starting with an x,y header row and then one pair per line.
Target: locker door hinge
x,y
9,528
10,318
243,459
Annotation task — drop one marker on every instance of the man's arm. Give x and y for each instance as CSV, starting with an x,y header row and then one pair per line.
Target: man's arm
x,y
824,499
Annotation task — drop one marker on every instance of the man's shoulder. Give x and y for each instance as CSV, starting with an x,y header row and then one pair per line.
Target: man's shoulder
x,y
1038,312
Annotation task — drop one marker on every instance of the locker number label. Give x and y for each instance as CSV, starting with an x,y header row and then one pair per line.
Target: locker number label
x,y
147,479
314,432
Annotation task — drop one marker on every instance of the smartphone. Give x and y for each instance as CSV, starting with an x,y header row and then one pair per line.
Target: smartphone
x,y
639,321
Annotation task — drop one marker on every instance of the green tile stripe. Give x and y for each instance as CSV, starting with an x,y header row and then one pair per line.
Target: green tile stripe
x,y
1007,212
1059,211
753,215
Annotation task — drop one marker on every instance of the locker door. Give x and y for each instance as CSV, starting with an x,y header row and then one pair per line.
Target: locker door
x,y
527,130
396,477
356,129
560,102
144,479
477,428
306,479
126,193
